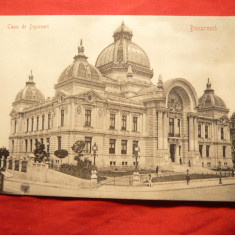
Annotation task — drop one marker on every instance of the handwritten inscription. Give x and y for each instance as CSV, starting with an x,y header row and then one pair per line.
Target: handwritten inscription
x,y
202,28
28,26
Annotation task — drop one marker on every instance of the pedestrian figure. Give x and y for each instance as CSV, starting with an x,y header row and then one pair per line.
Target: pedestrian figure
x,y
150,180
157,170
187,177
232,173
189,163
180,161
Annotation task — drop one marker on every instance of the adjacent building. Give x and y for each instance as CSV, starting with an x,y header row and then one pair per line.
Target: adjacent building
x,y
116,105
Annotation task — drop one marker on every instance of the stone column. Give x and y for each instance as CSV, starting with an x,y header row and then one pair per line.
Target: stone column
x,y
129,122
191,134
144,125
165,124
202,130
7,163
20,165
195,134
2,162
176,126
13,164
160,132
72,113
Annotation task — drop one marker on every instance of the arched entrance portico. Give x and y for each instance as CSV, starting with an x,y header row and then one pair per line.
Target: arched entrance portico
x,y
181,103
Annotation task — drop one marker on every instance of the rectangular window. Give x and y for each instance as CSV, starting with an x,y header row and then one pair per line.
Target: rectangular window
x,y
206,132
124,118
48,145
135,163
224,151
112,121
31,145
15,126
124,163
37,123
43,121
112,163
171,125
32,124
207,151
49,121
222,133
179,150
135,122
199,130
13,143
59,142
112,143
135,144
62,118
88,144
124,147
200,149
27,127
87,117
26,145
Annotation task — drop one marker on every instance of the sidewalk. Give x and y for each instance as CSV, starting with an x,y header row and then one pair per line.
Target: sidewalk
x,y
171,185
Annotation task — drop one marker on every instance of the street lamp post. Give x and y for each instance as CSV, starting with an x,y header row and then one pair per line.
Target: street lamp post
x,y
95,149
220,177
136,155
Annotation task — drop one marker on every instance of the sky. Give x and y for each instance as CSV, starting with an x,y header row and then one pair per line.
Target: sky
x,y
173,50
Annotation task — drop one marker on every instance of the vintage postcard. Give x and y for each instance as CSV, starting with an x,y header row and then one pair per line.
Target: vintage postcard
x,y
127,107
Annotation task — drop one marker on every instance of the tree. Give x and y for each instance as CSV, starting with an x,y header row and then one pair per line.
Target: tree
x,y
4,152
40,153
61,153
78,148
83,166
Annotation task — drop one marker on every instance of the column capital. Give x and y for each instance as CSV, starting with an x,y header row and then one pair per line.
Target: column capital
x,y
162,110
193,115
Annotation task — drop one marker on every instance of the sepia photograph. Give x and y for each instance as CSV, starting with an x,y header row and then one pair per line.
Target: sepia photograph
x,y
118,107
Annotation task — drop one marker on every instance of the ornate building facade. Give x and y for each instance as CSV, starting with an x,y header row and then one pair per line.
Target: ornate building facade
x,y
115,105
232,133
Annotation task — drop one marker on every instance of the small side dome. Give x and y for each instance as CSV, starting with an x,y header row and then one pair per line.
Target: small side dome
x,y
30,92
209,99
80,68
233,115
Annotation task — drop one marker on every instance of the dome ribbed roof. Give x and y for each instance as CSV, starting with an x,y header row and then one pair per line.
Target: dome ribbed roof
x,y
80,68
209,99
30,92
122,53
233,115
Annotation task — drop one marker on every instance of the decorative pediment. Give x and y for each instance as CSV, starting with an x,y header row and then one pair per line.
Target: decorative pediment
x,y
91,96
59,96
224,119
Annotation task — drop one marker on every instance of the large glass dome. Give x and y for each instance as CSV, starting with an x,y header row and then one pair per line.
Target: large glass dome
x,y
123,53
